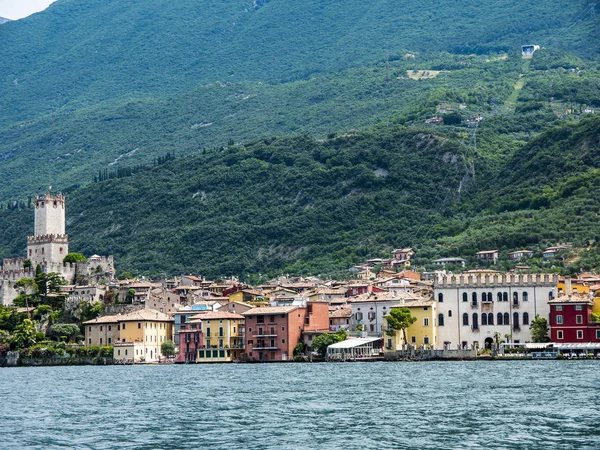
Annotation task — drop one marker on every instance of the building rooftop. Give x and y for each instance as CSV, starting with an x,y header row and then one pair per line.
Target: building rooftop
x,y
216,315
572,298
341,313
354,342
266,310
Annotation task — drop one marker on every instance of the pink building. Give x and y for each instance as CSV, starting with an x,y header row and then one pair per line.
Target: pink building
x,y
190,340
273,332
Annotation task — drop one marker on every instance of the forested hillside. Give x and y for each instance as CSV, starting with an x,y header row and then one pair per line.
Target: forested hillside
x,y
239,138
304,206
88,84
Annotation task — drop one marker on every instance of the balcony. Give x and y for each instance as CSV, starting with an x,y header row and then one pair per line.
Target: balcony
x,y
515,304
516,327
474,305
264,335
475,327
265,348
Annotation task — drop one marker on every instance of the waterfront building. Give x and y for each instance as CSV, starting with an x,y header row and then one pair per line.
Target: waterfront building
x,y
139,334
102,330
273,332
223,336
184,315
189,340
572,319
368,310
472,307
355,349
423,333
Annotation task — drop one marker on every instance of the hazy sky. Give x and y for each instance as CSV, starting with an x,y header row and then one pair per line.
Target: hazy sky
x,y
17,9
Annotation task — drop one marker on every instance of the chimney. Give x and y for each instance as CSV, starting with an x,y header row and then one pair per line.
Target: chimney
x,y
568,285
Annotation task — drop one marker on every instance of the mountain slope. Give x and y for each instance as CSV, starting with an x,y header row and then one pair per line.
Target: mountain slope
x,y
70,147
302,206
77,52
293,204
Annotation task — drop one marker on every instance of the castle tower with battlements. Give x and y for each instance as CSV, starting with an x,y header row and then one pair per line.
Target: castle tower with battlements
x,y
50,243
47,248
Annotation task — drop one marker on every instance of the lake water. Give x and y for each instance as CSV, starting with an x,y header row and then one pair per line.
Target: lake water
x,y
433,405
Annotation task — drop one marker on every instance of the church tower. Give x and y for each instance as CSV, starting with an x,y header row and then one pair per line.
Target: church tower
x,y
50,244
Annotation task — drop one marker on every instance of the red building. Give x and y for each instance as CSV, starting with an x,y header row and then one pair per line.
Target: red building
x,y
571,319
190,340
273,332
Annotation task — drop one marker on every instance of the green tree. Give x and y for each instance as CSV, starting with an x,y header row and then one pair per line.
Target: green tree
x,y
74,257
89,311
167,348
48,283
130,295
321,342
70,330
299,348
125,276
399,319
539,329
24,334
10,318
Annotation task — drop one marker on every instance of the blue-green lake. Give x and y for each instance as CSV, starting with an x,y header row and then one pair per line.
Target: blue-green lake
x,y
432,405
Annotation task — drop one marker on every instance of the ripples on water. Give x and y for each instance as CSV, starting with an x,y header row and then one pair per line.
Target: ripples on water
x,y
438,405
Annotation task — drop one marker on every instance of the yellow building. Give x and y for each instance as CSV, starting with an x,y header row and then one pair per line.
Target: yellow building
x,y
223,336
421,334
574,286
247,296
139,334
102,331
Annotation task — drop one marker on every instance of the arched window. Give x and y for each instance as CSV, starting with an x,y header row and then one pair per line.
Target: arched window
x,y
499,317
440,320
475,321
490,298
525,318
516,320
483,297
450,313
465,297
474,298
441,297
465,319
483,319
551,295
525,297
506,319
490,318
499,296
505,296
515,298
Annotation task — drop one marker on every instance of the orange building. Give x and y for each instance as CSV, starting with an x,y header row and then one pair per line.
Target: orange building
x,y
273,332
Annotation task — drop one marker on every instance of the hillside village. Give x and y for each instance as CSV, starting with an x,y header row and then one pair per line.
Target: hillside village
x,y
388,310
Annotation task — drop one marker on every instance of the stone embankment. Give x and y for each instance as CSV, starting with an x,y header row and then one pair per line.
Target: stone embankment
x,y
431,355
12,359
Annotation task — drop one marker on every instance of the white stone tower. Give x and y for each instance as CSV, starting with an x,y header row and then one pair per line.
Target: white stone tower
x,y
50,244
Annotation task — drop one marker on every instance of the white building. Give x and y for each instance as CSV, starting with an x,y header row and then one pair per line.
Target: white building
x,y
368,310
473,307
